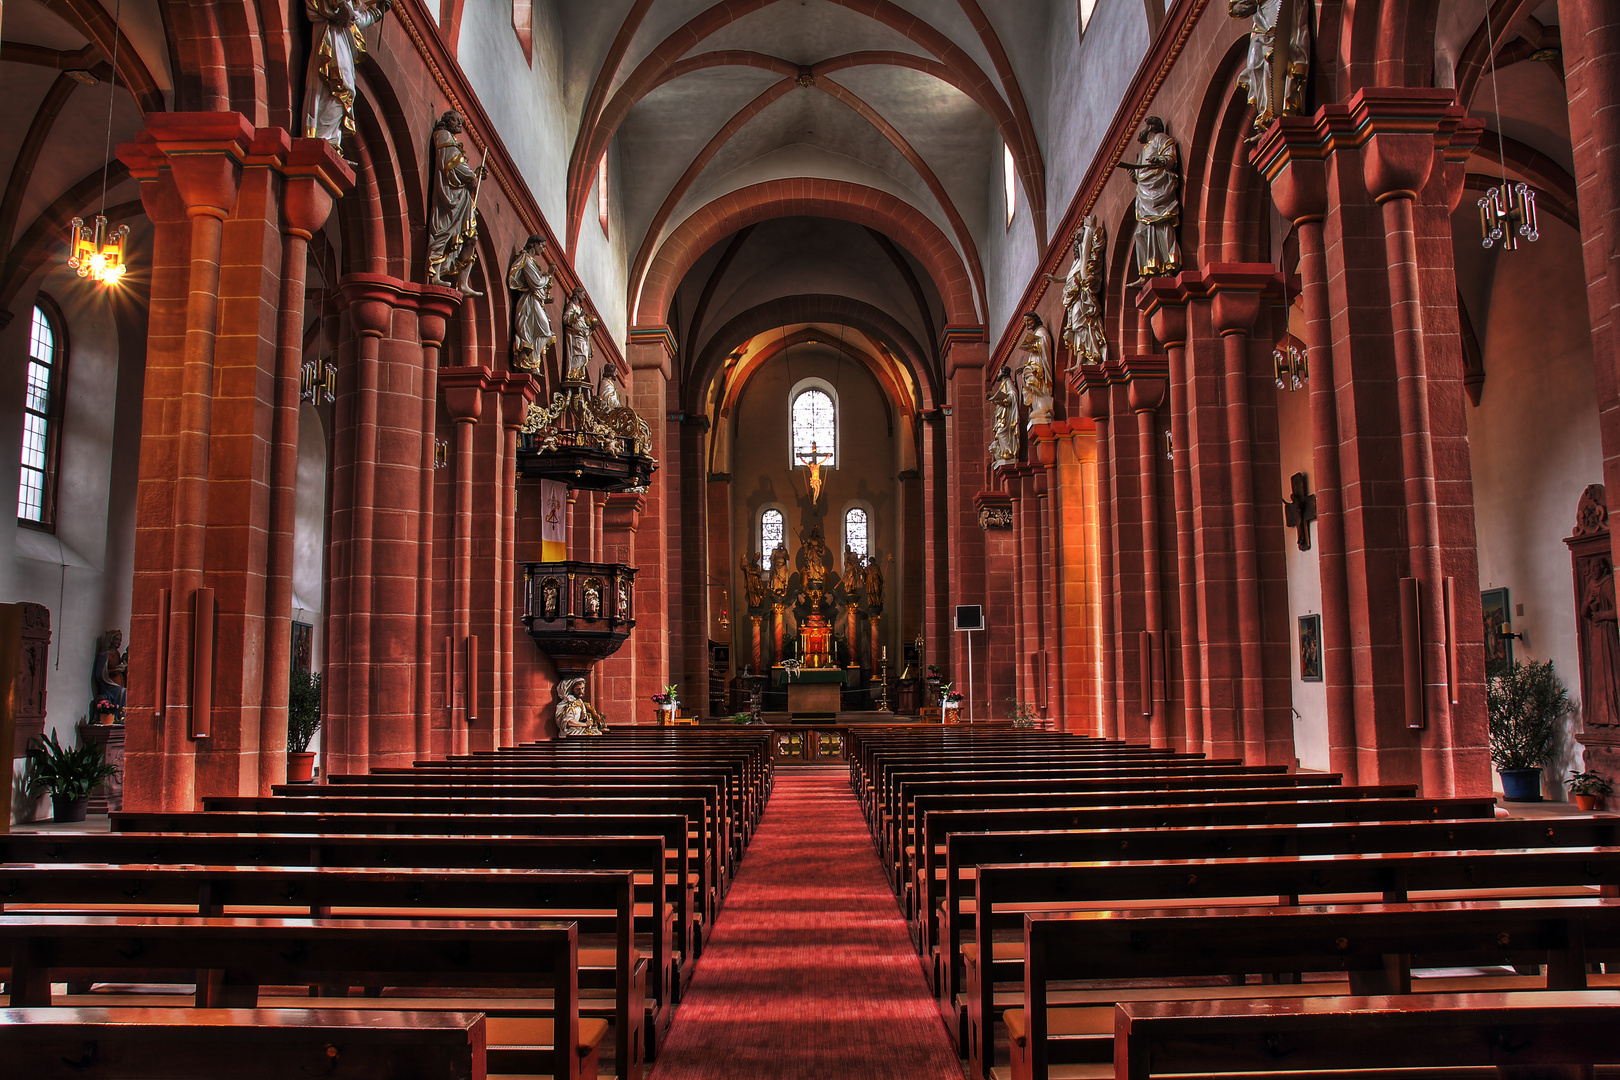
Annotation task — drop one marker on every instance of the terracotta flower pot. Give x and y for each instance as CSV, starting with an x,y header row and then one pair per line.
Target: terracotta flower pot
x,y
300,766
1589,802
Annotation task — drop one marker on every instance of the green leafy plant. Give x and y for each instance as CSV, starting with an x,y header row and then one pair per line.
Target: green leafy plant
x,y
66,773
1022,714
741,717
1525,703
303,710
1589,783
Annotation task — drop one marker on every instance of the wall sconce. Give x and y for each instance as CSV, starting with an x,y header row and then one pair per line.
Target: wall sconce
x,y
1505,632
1290,364
1507,213
441,453
317,382
1169,446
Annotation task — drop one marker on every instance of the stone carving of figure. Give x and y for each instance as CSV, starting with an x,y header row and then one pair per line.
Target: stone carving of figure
x,y
107,674
815,559
531,326
453,223
340,44
1035,373
1158,201
624,599
780,569
813,461
1602,643
577,327
1082,296
753,582
874,583
1257,77
854,574
607,387
574,714
1004,424
593,598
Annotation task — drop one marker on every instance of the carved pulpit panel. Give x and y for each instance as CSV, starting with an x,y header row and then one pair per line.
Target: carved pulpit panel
x,y
1597,619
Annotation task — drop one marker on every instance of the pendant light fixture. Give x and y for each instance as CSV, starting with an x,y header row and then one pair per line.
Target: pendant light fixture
x,y
98,252
1506,212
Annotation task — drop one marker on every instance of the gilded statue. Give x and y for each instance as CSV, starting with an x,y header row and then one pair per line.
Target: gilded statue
x,y
1257,77
1035,373
854,573
1004,422
531,326
577,326
575,716
815,560
813,462
1082,296
453,223
781,569
1158,201
874,583
607,387
340,44
753,581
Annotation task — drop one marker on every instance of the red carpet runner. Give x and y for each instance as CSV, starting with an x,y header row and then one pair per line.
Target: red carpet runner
x,y
810,973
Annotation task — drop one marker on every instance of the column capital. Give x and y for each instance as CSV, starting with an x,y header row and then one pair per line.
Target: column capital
x,y
1147,378
1239,292
463,387
1092,383
204,151
652,348
372,298
963,347
315,176
995,509
621,511
434,305
518,390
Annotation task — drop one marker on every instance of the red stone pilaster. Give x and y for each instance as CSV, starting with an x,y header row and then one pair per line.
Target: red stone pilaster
x,y
1147,380
466,390
693,554
617,697
937,634
651,354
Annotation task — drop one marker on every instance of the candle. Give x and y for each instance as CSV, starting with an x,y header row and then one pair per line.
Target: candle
x,y
885,652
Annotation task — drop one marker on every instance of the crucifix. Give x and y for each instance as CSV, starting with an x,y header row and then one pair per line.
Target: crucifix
x,y
812,461
1300,510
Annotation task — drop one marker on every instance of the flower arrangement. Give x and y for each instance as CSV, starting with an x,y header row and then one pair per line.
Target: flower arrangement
x,y
948,698
670,698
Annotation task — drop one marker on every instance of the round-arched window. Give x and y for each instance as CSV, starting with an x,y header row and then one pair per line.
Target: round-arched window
x,y
855,534
815,428
772,530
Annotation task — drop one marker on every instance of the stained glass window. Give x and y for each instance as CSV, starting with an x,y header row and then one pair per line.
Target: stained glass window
x,y
39,414
814,422
771,531
855,532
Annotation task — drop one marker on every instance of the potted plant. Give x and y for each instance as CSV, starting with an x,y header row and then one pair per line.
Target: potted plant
x,y
1589,788
1021,714
949,702
68,775
303,721
1525,703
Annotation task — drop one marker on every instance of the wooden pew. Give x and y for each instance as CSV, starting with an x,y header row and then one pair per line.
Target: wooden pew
x,y
1419,1031
1359,949
465,829
232,958
599,901
641,855
1007,891
259,1044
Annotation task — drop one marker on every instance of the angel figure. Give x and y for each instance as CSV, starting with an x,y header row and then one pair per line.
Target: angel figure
x,y
531,326
575,716
1082,296
1035,373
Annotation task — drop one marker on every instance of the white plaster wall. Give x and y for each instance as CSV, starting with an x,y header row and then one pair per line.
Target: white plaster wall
x,y
1304,581
82,572
1534,438
527,105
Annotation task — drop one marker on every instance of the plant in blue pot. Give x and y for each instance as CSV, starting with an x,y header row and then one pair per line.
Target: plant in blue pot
x,y
1527,703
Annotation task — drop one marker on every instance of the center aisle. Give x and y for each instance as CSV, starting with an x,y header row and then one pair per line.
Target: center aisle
x,y
810,973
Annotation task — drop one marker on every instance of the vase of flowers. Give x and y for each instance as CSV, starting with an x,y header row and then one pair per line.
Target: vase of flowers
x,y
668,702
1589,789
949,702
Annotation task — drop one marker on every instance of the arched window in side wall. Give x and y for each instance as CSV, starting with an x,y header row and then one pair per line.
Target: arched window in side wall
x,y
855,536
815,428
523,27
772,529
42,419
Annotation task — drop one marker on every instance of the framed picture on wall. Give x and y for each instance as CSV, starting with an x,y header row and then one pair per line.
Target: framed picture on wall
x,y
303,641
1494,609
1310,648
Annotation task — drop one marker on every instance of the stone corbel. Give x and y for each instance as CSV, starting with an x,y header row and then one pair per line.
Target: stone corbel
x,y
1147,378
621,511
518,390
463,388
995,509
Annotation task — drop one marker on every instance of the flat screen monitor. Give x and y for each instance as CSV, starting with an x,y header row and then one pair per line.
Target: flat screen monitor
x,y
970,617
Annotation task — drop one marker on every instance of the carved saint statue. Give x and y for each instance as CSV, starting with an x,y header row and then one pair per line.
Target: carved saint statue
x,y
854,572
453,223
574,714
874,583
1082,296
781,569
1158,201
753,582
593,598
1600,643
1257,66
815,560
624,599
531,326
1035,373
1004,424
548,598
340,44
607,387
577,326
107,674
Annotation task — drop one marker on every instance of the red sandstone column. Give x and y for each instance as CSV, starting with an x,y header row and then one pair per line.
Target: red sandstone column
x,y
966,452
435,305
463,388
517,394
1096,404
1032,592
616,676
1148,383
651,353
936,541
694,564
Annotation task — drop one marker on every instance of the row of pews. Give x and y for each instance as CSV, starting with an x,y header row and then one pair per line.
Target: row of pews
x,y
528,912
1085,908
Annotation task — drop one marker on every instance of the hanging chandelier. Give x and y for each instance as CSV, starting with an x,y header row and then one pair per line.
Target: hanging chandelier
x,y
1507,211
97,253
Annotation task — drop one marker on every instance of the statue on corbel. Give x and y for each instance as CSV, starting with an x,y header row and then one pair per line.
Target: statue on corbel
x,y
1035,373
1157,172
340,44
578,325
1259,77
531,279
453,221
1083,296
575,716
1004,435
